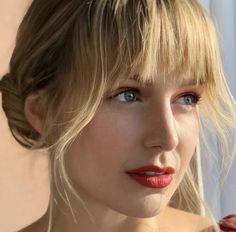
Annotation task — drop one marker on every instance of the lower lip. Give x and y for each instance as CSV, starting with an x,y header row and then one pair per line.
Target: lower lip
x,y
161,181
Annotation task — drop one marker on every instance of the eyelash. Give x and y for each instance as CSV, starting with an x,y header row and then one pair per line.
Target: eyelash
x,y
196,98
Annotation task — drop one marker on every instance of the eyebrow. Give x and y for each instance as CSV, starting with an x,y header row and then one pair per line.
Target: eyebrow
x,y
183,82
192,81
189,81
137,79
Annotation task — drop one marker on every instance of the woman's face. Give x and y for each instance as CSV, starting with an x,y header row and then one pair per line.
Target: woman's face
x,y
117,161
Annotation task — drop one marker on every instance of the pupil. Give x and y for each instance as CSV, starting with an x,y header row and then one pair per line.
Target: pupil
x,y
188,100
129,96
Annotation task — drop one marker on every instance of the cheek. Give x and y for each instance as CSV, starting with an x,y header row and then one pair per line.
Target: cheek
x,y
105,144
188,128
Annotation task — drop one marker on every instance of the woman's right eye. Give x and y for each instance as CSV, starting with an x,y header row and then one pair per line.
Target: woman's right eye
x,y
127,96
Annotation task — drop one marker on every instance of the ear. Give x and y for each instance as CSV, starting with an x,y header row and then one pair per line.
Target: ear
x,y
33,112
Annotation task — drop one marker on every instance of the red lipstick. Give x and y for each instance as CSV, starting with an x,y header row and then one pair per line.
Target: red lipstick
x,y
152,176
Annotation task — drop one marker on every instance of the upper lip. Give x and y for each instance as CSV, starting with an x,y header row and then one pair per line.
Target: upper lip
x,y
152,168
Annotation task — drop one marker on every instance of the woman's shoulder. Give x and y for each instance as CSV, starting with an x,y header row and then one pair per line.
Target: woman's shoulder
x,y
186,221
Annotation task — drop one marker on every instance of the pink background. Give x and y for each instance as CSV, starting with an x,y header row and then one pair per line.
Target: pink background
x,y
24,189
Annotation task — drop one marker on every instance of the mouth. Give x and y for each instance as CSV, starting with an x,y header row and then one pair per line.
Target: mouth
x,y
152,176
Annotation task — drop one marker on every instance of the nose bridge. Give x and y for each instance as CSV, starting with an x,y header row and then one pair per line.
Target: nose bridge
x,y
162,128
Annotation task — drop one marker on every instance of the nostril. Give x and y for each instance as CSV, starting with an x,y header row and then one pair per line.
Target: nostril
x,y
162,127
171,142
164,138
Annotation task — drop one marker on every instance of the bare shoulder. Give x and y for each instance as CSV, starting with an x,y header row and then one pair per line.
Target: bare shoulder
x,y
186,221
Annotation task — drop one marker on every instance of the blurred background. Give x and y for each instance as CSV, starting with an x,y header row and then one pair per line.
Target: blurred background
x,y
24,189
222,199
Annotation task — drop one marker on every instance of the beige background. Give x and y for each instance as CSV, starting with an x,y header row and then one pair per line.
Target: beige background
x,y
24,187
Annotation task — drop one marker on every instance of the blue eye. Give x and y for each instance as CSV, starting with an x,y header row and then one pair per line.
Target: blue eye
x,y
188,99
127,96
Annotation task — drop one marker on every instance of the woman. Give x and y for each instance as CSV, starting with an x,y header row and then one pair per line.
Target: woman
x,y
120,93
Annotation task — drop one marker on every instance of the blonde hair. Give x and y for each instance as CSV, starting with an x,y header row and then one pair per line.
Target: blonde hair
x,y
72,52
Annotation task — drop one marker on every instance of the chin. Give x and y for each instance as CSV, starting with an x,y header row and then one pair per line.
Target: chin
x,y
144,208
143,213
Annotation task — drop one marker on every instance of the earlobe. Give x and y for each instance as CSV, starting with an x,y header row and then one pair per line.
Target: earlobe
x,y
33,112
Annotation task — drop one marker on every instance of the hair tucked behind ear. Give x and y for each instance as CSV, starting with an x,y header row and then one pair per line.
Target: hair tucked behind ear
x,y
13,106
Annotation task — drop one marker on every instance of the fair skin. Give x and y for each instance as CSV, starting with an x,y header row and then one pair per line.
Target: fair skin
x,y
136,125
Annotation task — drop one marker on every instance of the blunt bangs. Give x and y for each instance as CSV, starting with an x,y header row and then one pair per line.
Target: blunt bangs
x,y
149,39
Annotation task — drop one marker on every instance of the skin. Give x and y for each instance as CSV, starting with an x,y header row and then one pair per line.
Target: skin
x,y
127,135
136,125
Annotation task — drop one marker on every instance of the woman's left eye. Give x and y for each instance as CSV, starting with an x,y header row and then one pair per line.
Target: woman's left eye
x,y
189,99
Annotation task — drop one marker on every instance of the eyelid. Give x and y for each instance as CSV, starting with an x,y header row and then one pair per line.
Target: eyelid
x,y
122,90
195,93
197,90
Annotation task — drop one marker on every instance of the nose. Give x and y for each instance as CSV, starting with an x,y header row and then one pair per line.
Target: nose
x,y
161,129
